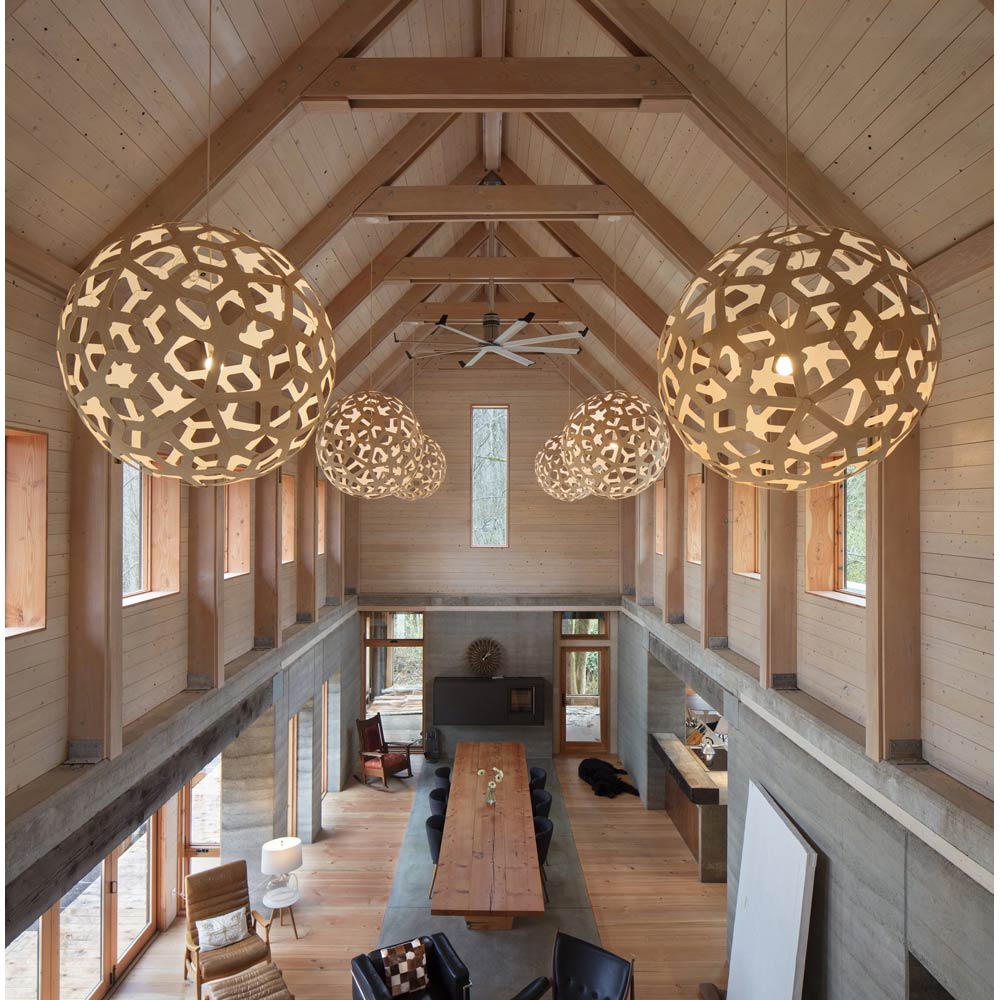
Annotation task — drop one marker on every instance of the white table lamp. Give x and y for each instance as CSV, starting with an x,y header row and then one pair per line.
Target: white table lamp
x,y
279,858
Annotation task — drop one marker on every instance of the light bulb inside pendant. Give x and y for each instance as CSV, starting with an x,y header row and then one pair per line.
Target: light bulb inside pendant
x,y
783,366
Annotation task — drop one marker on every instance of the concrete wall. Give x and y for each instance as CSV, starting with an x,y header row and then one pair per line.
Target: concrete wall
x,y
527,638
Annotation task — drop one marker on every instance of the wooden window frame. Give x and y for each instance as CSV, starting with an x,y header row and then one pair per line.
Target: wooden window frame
x,y
660,518
287,518
824,551
27,557
160,539
325,741
367,643
843,587
321,517
506,534
746,530
238,525
569,637
693,513
604,652
188,847
292,813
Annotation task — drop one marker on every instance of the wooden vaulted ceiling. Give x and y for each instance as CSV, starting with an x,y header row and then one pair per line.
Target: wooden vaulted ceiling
x,y
890,109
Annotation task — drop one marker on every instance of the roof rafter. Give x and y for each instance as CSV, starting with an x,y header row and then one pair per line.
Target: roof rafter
x,y
493,39
477,270
350,30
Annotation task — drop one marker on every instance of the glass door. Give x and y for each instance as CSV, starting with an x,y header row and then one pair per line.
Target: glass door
x,y
394,673
133,865
201,824
584,715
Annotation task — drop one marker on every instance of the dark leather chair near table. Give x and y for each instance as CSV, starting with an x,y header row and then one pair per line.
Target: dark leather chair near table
x,y
380,759
435,835
446,972
537,776
543,841
439,801
541,804
442,777
581,969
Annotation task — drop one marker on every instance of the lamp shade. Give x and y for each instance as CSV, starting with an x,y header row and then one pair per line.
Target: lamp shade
x,y
281,856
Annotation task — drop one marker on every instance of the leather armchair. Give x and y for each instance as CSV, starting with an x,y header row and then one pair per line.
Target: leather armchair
x,y
449,978
580,968
380,759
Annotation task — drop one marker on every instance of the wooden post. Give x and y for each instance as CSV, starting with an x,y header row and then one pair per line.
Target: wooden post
x,y
626,536
777,515
334,545
306,607
352,545
645,547
206,571
673,563
714,560
893,605
94,726
267,561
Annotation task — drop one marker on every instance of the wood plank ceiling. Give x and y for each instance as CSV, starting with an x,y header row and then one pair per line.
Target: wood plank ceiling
x,y
890,100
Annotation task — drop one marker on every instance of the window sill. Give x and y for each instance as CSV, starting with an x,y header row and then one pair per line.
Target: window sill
x,y
235,574
839,595
12,632
287,562
693,562
148,595
747,576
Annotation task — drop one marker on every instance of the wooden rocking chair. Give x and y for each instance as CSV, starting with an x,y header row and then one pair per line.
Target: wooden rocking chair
x,y
378,758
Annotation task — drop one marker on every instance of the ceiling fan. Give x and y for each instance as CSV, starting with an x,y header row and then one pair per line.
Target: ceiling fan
x,y
503,344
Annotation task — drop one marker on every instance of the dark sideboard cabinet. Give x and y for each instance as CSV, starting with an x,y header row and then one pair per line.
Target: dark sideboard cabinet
x,y
476,701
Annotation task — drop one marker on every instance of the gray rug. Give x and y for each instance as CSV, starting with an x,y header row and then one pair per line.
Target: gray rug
x,y
500,962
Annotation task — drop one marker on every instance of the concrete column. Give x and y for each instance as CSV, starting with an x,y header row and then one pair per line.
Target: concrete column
x,y
334,775
253,804
309,773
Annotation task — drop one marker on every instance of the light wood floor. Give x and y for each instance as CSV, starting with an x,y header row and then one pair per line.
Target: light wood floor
x,y
643,886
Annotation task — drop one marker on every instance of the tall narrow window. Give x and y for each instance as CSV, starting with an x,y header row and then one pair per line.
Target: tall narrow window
x,y
27,504
237,528
745,541
135,532
852,544
692,525
489,476
151,509
659,513
287,517
320,518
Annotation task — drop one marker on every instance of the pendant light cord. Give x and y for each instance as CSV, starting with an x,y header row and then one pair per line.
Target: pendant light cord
x,y
788,216
208,135
371,320
614,282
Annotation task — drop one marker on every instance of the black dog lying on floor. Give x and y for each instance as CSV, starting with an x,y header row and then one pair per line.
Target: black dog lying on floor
x,y
602,777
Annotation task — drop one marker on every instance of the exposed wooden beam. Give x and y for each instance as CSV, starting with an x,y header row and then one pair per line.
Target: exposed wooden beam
x,y
892,605
674,481
27,261
589,316
267,561
383,168
491,202
577,242
574,83
508,311
493,37
397,312
206,573
714,560
346,32
777,516
960,261
584,148
410,239
730,119
477,270
306,535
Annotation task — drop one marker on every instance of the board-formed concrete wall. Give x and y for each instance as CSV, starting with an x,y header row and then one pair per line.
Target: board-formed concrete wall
x,y
527,639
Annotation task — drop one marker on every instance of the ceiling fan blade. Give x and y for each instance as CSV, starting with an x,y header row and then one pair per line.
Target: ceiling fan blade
x,y
511,356
533,341
476,357
440,354
461,333
515,328
545,350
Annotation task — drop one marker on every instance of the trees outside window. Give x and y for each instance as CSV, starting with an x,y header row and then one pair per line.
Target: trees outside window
x,y
489,476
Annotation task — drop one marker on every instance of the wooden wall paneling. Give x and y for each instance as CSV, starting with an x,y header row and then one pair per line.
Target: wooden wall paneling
x,y
893,605
334,545
626,541
206,580
352,545
714,560
267,561
165,541
821,534
777,516
95,603
26,503
645,547
306,536
673,565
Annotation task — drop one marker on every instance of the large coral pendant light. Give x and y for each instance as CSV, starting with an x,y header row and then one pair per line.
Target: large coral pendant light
x,y
800,356
195,351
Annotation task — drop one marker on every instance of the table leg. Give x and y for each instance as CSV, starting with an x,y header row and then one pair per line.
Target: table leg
x,y
291,913
497,923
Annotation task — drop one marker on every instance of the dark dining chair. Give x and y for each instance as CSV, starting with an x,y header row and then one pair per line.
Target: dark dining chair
x,y
442,777
439,801
541,804
537,777
435,834
543,841
580,969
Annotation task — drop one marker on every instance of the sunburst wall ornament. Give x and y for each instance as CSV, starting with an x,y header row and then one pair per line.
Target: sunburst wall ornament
x,y
552,474
196,352
365,444
432,467
485,657
799,357
616,444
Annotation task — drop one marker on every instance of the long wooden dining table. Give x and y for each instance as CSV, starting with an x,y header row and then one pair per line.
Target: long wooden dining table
x,y
488,866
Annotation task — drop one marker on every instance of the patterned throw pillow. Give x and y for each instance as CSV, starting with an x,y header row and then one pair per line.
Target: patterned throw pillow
x,y
217,932
405,967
